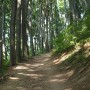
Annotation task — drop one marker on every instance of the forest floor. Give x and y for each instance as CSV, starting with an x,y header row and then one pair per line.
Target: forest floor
x,y
45,72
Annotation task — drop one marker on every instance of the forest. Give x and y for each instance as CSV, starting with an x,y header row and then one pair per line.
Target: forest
x,y
42,39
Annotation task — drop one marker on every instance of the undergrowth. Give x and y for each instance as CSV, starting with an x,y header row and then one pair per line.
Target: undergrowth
x,y
68,39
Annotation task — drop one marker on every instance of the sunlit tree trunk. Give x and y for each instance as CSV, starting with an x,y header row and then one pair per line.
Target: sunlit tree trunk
x,y
25,52
47,13
31,28
4,32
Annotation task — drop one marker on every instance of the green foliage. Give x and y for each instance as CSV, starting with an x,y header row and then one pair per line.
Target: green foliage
x,y
6,63
76,33
65,40
83,28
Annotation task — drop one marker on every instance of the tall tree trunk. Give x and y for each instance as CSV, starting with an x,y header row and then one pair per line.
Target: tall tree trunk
x,y
12,33
41,37
4,31
31,28
18,30
47,42
25,52
57,21
71,11
51,26
1,36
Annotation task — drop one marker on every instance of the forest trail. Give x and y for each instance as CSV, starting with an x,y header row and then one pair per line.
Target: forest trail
x,y
37,74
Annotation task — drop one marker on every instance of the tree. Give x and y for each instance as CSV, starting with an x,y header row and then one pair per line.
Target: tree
x,y
47,27
12,33
25,51
1,34
51,25
30,27
18,30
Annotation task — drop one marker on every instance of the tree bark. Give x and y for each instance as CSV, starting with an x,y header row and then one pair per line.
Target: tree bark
x,y
1,35
30,28
25,52
12,33
18,30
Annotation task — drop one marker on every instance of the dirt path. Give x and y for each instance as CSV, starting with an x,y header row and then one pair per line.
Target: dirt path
x,y
37,74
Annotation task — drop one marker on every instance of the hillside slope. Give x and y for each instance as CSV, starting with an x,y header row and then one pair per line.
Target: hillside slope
x,y
77,61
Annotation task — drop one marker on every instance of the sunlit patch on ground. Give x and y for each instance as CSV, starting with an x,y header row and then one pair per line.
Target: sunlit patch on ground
x,y
37,65
20,67
86,45
70,73
68,89
64,75
45,59
31,75
31,70
64,56
14,78
57,80
57,76
28,65
86,49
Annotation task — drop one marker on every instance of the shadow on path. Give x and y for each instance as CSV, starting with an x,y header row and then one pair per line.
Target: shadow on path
x,y
38,74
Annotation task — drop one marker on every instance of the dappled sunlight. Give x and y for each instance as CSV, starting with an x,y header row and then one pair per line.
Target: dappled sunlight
x,y
21,67
31,70
14,78
64,56
68,89
86,45
46,55
62,77
39,75
37,65
30,75
86,49
45,45
58,80
87,52
23,74
61,59
57,76
42,57
28,65
70,73
46,59
65,75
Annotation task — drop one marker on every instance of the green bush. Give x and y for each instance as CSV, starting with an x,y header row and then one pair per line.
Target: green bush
x,y
83,28
65,39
